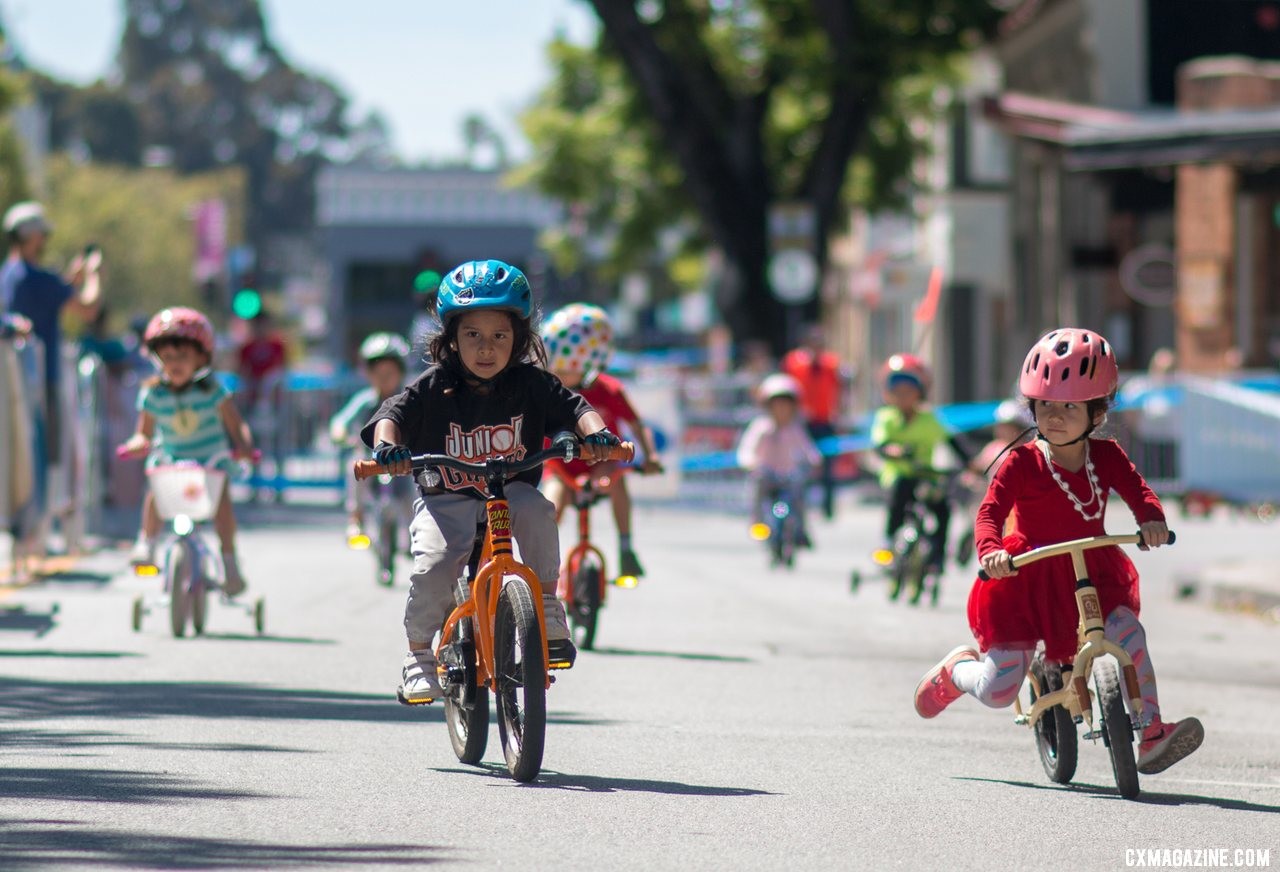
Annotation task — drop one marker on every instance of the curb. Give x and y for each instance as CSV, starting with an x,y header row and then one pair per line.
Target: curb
x,y
1230,596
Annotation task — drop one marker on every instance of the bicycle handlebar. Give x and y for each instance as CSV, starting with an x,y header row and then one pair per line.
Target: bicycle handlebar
x,y
498,467
1085,544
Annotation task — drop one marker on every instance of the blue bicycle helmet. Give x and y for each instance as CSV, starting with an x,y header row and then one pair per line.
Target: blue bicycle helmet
x,y
484,284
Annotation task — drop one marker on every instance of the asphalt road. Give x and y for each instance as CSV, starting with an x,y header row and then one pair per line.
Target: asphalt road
x,y
734,718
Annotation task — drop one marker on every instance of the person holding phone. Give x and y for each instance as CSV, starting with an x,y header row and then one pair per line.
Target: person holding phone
x,y
33,298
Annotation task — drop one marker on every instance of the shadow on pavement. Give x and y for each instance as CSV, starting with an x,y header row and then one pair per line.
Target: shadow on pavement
x,y
41,844
17,619
106,785
672,655
26,698
78,576
78,742
87,655
1145,796
267,637
605,784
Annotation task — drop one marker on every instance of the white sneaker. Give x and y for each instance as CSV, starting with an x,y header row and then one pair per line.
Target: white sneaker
x,y
418,681
144,552
554,617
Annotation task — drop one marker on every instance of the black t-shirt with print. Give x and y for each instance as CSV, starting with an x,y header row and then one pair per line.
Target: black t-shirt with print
x,y
439,413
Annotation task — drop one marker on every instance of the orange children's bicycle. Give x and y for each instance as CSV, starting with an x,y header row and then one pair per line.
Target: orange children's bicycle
x,y
584,579
1060,696
495,639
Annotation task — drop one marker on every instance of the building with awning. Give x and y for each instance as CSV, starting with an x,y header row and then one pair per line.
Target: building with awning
x,y
1145,183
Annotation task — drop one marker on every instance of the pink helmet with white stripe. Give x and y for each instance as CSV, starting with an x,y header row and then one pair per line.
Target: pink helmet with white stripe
x,y
1069,365
180,322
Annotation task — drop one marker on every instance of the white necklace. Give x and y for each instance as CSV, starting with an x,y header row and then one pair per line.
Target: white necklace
x,y
1095,492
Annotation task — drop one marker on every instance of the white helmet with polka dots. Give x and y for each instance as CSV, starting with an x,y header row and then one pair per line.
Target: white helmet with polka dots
x,y
579,340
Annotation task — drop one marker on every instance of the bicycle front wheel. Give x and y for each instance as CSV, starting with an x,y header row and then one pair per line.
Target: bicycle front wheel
x,y
387,533
587,583
1117,729
521,681
177,569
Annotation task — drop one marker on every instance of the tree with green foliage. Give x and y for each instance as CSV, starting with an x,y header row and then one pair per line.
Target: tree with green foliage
x,y
141,218
13,168
700,115
208,83
202,86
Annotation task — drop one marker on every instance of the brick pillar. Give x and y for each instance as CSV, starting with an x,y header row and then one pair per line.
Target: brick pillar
x,y
1205,212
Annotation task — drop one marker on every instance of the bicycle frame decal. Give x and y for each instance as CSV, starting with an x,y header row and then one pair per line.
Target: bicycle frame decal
x,y
500,522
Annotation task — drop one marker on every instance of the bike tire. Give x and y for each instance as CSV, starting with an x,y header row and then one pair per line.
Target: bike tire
x,y
521,681
1117,729
177,565
139,609
386,552
199,597
1056,739
585,615
468,723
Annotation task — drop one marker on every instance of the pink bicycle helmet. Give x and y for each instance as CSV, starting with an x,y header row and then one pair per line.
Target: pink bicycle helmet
x,y
180,322
908,367
1069,365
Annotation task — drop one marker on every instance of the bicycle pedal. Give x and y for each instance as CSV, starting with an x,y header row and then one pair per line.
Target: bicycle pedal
x,y
1092,735
561,655
403,701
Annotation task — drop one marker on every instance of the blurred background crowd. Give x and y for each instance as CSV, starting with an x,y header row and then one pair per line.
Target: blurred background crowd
x,y
733,180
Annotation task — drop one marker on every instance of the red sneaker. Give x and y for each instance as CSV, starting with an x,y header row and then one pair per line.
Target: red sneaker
x,y
1165,744
936,690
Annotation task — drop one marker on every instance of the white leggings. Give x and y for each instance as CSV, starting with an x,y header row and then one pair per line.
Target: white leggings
x,y
996,679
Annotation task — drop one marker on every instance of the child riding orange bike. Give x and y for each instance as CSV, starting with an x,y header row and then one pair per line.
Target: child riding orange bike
x,y
579,343
1055,489
484,396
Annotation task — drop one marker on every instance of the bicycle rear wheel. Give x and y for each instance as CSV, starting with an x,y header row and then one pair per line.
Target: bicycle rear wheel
x,y
1117,729
587,583
521,679
1055,731
467,713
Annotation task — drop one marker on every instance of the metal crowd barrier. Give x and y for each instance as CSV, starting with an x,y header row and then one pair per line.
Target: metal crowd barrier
x,y
1230,443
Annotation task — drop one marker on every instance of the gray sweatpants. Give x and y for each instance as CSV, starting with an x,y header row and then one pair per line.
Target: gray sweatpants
x,y
442,535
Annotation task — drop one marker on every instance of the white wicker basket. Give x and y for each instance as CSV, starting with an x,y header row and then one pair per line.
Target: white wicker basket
x,y
189,489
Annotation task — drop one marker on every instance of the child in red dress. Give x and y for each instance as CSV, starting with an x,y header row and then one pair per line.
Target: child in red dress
x,y
1056,488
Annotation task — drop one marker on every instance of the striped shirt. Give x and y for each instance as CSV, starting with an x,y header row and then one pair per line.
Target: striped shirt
x,y
188,426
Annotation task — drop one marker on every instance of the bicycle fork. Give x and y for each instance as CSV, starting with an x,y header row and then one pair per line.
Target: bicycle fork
x,y
1095,644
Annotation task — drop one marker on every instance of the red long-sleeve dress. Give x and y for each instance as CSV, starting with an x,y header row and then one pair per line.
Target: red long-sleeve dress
x,y
1039,602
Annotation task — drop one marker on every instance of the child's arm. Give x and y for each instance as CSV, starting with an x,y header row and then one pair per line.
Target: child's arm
x,y
643,434
1118,472
882,435
236,426
749,445
140,441
988,527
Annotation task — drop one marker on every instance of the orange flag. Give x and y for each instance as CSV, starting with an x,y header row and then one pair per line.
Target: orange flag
x,y
928,308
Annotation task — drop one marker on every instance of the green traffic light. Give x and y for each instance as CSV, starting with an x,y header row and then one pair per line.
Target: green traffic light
x,y
246,304
426,281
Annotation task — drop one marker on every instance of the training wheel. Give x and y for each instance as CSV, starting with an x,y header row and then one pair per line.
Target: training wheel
x,y
260,615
